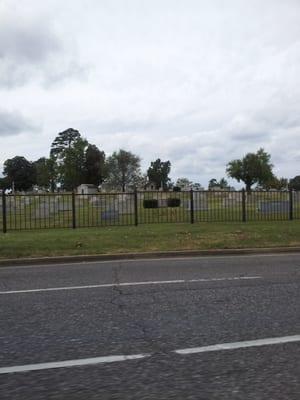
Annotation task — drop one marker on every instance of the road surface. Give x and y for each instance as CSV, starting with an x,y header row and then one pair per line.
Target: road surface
x,y
190,328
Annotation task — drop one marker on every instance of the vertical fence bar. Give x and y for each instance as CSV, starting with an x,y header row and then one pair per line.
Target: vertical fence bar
x,y
243,205
4,226
291,208
136,220
192,205
73,211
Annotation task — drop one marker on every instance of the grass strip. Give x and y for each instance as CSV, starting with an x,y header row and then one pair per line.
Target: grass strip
x,y
144,238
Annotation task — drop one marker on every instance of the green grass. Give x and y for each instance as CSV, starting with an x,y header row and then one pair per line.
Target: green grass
x,y
156,237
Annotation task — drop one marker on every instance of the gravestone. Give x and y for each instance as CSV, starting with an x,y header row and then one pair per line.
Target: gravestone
x,y
235,196
41,213
162,199
64,206
26,201
200,202
126,206
12,205
296,197
99,202
162,203
51,206
231,201
109,215
267,207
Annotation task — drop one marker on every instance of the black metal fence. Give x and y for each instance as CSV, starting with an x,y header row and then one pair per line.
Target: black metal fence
x,y
70,210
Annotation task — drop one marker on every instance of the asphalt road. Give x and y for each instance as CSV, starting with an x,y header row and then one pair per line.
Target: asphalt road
x,y
89,313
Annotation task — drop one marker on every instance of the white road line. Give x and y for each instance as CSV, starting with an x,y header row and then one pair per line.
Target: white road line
x,y
107,285
240,345
70,363
111,359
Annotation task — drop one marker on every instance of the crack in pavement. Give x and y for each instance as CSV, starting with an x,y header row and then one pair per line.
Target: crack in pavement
x,y
116,301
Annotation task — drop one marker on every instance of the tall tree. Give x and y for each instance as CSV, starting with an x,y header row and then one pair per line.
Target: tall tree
x,y
94,165
63,141
73,171
20,173
123,169
158,173
45,173
253,168
68,158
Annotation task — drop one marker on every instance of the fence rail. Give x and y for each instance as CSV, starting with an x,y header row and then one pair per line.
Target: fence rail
x,y
70,210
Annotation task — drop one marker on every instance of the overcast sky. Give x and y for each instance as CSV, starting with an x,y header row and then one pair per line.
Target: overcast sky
x,y
196,82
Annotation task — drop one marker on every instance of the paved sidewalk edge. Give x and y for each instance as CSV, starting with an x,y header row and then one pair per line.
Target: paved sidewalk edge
x,y
145,256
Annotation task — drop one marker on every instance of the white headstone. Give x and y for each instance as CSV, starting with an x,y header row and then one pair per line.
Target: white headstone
x,y
200,202
126,206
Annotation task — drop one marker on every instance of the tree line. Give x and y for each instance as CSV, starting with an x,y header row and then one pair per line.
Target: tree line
x,y
73,161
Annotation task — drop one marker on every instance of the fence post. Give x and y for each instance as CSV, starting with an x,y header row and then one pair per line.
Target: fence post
x,y
243,205
136,221
192,205
4,212
73,211
291,204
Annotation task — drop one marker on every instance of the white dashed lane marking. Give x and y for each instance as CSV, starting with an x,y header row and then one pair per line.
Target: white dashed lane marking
x,y
108,285
111,359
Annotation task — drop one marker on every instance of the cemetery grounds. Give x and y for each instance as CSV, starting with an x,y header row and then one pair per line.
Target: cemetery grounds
x,y
108,222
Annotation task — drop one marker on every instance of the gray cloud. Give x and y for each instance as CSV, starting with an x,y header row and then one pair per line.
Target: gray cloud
x,y
32,50
27,44
24,50
14,123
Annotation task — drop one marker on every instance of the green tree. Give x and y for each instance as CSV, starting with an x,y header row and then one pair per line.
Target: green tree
x,y
212,183
68,158
123,169
64,140
73,168
20,173
223,183
252,168
45,173
275,183
158,173
94,165
4,183
295,183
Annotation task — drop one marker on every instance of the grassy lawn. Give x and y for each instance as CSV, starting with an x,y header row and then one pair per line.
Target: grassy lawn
x,y
156,237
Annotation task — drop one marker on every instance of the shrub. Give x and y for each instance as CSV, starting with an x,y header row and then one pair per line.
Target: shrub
x,y
150,203
176,189
173,202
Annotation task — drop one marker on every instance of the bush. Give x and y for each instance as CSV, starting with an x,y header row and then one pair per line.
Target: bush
x,y
173,202
176,189
150,203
